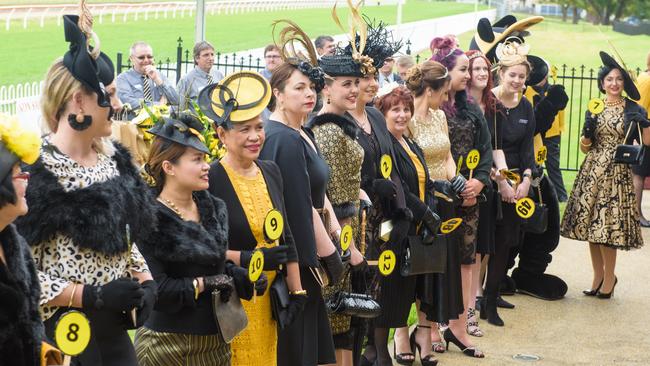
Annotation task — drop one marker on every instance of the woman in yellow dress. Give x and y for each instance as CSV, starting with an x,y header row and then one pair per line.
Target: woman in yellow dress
x,y
251,189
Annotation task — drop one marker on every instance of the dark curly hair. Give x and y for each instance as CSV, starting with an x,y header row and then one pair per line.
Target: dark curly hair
x,y
7,192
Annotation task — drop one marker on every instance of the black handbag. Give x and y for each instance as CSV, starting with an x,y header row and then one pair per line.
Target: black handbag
x,y
418,258
538,222
353,304
230,315
279,293
629,154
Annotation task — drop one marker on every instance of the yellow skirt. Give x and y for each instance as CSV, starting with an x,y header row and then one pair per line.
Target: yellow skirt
x,y
257,344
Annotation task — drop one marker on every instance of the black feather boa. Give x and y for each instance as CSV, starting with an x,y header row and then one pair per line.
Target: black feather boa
x,y
94,217
175,240
21,329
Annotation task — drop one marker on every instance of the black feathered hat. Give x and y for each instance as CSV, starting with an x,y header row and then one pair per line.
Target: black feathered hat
x,y
379,43
94,73
628,83
184,129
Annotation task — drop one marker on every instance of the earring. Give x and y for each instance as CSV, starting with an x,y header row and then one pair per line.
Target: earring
x,y
328,100
79,122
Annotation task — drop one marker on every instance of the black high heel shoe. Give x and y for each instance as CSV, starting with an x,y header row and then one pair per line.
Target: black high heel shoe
x,y
489,312
593,292
405,358
602,295
468,351
427,360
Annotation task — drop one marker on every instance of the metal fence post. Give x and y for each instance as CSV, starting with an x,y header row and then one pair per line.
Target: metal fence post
x,y
119,63
179,58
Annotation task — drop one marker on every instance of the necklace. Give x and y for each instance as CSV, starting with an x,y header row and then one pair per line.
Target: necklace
x,y
615,104
172,206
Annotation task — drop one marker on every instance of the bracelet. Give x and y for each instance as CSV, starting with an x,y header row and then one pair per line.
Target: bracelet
x,y
195,283
298,292
585,145
74,289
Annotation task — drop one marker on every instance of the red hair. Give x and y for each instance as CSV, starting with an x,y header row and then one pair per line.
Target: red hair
x,y
399,95
487,98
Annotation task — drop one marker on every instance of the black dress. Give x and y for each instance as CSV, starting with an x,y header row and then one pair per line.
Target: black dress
x,y
308,341
21,330
468,130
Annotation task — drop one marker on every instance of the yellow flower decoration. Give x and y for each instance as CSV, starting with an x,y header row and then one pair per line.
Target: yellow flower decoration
x,y
23,142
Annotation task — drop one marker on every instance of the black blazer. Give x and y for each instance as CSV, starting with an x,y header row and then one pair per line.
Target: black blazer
x,y
409,178
179,251
240,236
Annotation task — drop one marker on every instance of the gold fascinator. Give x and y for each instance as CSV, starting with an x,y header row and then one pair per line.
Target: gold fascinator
x,y
512,52
387,89
357,26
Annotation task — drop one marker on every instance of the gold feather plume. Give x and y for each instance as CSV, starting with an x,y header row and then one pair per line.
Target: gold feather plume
x,y
288,36
356,25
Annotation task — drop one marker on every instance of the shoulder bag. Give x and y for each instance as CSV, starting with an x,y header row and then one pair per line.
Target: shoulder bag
x,y
629,154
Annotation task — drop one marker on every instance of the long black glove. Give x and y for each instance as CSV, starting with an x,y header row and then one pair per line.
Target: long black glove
x,y
639,118
334,267
273,257
219,282
150,288
243,285
384,188
557,96
589,128
458,183
296,306
432,221
122,294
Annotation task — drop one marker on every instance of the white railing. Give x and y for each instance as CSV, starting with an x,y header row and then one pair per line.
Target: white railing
x,y
33,15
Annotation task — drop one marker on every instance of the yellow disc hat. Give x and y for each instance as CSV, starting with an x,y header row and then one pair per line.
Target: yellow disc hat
x,y
237,98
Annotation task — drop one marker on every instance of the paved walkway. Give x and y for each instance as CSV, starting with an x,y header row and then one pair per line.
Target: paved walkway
x,y
576,330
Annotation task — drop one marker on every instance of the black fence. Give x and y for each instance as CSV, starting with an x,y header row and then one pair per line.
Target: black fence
x,y
580,84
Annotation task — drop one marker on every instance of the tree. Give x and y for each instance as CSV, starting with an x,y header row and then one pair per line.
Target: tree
x,y
574,5
602,10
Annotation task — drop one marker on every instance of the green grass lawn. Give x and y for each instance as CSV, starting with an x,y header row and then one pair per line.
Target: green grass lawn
x,y
227,32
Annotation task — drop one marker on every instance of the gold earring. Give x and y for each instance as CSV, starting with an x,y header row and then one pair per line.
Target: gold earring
x,y
80,116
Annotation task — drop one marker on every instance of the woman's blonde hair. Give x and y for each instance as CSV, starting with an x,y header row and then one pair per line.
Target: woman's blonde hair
x,y
58,89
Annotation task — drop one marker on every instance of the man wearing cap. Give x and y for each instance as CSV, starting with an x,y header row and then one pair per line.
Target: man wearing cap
x,y
201,76
143,83
386,74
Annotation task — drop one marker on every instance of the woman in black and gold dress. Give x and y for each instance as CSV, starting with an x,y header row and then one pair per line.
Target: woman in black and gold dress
x,y
252,188
602,208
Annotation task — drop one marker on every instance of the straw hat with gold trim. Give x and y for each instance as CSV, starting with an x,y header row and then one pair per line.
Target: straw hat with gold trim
x,y
239,97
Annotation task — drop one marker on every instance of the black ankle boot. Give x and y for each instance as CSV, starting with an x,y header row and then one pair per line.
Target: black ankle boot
x,y
489,311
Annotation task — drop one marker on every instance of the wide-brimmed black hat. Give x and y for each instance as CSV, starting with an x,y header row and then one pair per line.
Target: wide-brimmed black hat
x,y
539,70
184,128
93,73
340,65
237,98
628,83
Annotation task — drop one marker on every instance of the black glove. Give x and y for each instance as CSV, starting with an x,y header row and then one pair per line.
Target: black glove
x,y
360,267
334,267
296,306
400,230
150,288
118,295
458,183
639,118
365,205
557,97
427,236
273,257
384,188
239,276
431,221
261,284
445,188
220,282
589,128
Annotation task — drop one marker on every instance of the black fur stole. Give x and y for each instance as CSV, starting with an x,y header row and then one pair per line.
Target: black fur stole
x,y
95,217
175,240
21,329
348,126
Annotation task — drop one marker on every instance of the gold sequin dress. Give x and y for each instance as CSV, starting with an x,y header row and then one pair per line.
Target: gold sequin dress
x,y
602,206
431,135
257,344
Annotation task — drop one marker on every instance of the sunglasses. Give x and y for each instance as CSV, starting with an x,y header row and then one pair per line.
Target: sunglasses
x,y
22,176
150,57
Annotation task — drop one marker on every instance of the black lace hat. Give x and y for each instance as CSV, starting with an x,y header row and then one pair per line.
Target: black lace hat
x,y
94,73
340,65
379,43
184,128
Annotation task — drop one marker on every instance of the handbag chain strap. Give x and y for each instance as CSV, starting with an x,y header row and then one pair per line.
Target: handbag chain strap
x,y
629,129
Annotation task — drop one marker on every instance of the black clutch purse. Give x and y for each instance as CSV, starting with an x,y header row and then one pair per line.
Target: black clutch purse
x,y
538,222
629,154
230,316
279,293
418,258
353,304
